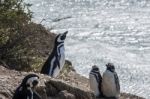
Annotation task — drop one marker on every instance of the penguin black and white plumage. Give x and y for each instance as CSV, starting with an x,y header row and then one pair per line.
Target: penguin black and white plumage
x,y
95,81
110,82
56,60
26,88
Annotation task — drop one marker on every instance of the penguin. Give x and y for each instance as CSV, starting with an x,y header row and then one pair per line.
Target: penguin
x,y
95,80
110,82
56,59
26,88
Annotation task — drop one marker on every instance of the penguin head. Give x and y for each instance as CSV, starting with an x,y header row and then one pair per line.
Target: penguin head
x,y
30,80
95,68
110,67
61,37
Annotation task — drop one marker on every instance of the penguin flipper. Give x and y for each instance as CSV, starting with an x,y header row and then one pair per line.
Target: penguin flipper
x,y
117,82
57,61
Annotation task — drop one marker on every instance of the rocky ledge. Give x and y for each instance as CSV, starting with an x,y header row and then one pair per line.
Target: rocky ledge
x,y
67,86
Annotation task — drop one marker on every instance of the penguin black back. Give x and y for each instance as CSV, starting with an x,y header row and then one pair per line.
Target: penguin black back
x,y
54,59
25,90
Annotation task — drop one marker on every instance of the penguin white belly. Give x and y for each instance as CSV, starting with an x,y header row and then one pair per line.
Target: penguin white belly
x,y
62,57
56,72
108,84
94,85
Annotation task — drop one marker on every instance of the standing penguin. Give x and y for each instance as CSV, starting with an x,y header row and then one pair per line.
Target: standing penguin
x,y
26,88
110,82
56,60
95,81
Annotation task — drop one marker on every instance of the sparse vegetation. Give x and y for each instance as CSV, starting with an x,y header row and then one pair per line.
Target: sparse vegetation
x,y
23,44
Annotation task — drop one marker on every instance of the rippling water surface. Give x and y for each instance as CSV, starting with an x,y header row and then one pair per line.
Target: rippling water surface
x,y
102,31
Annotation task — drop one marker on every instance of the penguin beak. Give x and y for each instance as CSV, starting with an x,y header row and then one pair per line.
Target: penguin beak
x,y
65,33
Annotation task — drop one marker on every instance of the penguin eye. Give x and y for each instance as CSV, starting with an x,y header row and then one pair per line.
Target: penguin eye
x,y
96,69
35,82
28,85
32,81
61,38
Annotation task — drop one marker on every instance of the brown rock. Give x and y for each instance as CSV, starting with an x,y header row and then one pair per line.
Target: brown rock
x,y
76,86
66,95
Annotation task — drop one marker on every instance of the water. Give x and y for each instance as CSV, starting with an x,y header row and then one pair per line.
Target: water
x,y
102,31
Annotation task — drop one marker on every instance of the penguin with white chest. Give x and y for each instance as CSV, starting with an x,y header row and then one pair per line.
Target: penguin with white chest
x,y
110,82
95,81
56,60
26,90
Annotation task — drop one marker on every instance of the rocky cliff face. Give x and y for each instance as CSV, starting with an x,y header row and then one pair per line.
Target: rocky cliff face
x,y
70,86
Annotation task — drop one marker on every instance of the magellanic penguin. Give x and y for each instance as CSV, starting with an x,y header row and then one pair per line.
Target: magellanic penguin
x,y
110,82
56,60
26,90
95,81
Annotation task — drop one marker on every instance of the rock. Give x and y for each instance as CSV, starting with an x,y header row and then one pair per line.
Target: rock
x,y
42,91
67,68
79,93
75,87
2,96
65,95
